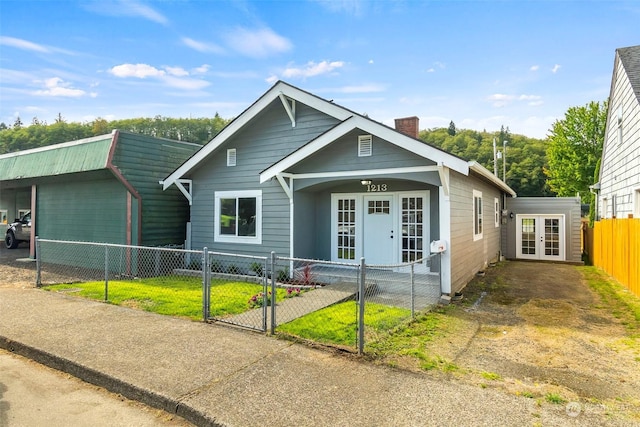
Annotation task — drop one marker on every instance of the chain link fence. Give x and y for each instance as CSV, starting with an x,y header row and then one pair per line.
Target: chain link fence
x,y
338,304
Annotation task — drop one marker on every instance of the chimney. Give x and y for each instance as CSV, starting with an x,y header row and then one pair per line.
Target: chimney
x,y
408,126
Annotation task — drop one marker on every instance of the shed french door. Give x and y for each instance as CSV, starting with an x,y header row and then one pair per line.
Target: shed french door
x,y
540,237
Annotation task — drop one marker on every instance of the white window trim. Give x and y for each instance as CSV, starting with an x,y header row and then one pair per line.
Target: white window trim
x,y
4,216
636,202
496,207
478,216
255,240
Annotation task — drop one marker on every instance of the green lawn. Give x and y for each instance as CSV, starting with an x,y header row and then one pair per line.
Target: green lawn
x,y
336,324
174,296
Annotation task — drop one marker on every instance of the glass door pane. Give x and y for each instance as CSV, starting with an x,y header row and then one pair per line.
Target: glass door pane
x,y
346,229
412,212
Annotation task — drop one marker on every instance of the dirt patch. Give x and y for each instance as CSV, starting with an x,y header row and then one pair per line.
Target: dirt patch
x,y
537,329
16,269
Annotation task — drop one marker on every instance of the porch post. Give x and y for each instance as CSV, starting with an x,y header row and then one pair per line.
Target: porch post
x,y
445,234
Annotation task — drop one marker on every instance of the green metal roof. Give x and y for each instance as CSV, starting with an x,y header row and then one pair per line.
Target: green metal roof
x,y
69,157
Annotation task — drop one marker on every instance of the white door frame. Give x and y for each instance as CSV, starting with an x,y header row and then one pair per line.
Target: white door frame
x,y
539,238
356,240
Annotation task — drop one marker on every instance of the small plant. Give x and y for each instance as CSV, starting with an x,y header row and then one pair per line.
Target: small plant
x,y
293,292
257,268
283,275
554,398
259,300
306,275
490,376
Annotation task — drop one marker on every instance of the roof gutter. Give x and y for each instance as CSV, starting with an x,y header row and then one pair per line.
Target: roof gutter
x,y
484,172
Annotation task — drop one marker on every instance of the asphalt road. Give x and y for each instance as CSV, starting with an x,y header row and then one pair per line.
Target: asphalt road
x,y
34,395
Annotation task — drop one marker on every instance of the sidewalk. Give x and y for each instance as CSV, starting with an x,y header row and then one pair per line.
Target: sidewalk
x,y
217,375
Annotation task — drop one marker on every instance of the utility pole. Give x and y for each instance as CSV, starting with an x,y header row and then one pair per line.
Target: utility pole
x,y
504,161
495,162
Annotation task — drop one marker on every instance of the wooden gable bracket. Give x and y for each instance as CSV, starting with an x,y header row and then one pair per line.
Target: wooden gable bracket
x,y
187,192
288,188
444,178
290,107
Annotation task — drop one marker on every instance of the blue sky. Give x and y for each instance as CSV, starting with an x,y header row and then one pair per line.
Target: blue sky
x,y
482,64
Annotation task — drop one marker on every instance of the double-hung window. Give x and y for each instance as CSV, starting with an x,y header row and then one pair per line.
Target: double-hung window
x,y
477,215
238,216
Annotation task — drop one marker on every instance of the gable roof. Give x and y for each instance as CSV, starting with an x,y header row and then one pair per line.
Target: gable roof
x,y
630,58
359,122
350,120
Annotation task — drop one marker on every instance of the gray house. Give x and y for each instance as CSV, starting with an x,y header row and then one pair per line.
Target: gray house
x,y
99,189
305,177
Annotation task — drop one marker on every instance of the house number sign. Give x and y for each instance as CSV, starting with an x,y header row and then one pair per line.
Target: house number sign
x,y
375,188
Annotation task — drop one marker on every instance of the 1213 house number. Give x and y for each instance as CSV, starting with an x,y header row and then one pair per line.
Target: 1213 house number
x,y
374,188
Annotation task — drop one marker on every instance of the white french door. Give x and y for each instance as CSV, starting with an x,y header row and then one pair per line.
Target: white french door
x,y
540,237
384,228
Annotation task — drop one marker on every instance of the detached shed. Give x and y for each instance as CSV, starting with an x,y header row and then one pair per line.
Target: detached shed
x,y
543,228
99,189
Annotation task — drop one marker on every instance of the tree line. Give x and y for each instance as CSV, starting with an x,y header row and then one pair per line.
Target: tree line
x,y
39,134
563,164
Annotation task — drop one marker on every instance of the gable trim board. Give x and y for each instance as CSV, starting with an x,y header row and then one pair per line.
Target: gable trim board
x,y
317,163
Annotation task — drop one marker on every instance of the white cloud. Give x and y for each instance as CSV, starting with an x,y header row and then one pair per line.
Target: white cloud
x,y
177,71
140,71
257,43
187,84
312,69
201,46
272,79
555,68
371,61
55,86
500,99
23,44
534,68
431,70
176,77
201,69
132,8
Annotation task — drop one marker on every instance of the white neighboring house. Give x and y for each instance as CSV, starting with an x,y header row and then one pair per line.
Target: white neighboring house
x,y
619,181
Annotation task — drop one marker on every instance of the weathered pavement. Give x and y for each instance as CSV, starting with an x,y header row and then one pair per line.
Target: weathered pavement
x,y
217,375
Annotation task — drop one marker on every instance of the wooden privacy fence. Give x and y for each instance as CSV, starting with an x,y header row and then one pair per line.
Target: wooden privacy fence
x,y
616,249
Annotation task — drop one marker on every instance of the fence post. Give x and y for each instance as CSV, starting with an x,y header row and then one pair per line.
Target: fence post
x,y
273,293
361,290
106,273
38,265
413,292
206,280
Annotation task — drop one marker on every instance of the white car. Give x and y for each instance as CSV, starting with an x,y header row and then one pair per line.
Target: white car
x,y
18,231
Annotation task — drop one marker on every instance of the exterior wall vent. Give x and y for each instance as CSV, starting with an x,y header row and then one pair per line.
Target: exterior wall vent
x,y
365,145
231,157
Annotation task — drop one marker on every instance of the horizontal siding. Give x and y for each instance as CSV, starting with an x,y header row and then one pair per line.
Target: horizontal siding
x,y
620,169
567,206
269,137
343,155
469,256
